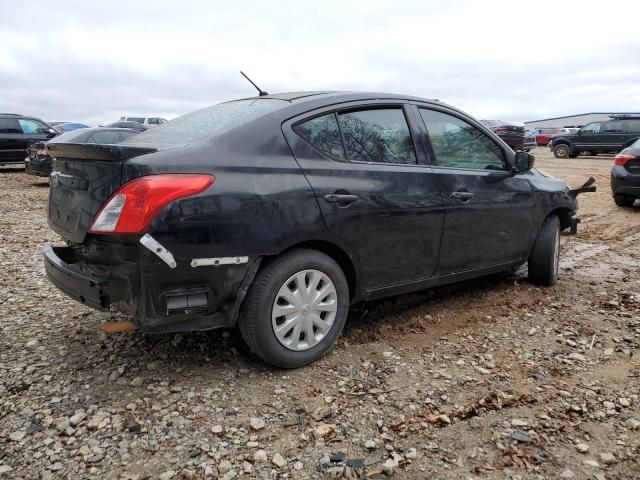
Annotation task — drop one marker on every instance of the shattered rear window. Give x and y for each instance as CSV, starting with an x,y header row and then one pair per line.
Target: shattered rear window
x,y
207,122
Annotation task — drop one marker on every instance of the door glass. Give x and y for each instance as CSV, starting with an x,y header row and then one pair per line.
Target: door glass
x,y
460,145
9,125
590,129
378,136
323,134
31,126
633,125
613,127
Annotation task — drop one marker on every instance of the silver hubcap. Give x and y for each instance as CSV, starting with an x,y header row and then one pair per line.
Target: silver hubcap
x,y
304,310
561,151
556,256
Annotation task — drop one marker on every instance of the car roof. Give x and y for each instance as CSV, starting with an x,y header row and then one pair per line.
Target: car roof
x,y
298,97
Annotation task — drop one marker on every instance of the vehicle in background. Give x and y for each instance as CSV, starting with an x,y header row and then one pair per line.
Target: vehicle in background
x,y
139,127
609,136
146,121
625,176
17,132
38,161
529,141
278,212
563,131
543,135
68,126
512,134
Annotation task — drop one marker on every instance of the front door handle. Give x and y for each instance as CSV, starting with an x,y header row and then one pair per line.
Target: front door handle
x,y
462,196
342,199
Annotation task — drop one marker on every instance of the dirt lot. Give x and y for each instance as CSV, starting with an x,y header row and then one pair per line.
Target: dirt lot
x,y
487,379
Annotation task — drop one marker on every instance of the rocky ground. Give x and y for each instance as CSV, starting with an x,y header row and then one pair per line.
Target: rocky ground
x,y
493,378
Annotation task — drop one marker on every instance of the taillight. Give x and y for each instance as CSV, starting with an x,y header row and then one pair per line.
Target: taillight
x,y
623,158
135,204
42,151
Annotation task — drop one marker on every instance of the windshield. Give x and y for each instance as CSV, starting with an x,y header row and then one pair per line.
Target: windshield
x,y
198,125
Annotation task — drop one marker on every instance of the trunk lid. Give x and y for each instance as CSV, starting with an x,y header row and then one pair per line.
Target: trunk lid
x,y
84,176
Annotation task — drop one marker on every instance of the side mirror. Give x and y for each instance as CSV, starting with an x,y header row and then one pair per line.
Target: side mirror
x,y
51,133
523,161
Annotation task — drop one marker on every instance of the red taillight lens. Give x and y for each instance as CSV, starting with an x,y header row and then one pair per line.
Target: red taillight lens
x,y
623,158
134,205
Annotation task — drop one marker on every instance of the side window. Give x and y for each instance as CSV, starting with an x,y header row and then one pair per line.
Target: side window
x,y
378,136
105,138
591,128
613,126
9,125
632,125
460,145
153,121
31,126
323,134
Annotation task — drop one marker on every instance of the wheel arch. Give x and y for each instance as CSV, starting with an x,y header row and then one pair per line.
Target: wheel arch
x,y
564,214
628,143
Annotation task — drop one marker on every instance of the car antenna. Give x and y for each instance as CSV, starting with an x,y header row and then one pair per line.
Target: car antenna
x,y
261,92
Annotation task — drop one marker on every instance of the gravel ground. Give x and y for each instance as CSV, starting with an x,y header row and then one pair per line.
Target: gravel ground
x,y
493,378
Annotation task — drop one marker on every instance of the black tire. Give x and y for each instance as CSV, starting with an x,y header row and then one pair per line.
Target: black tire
x,y
545,257
623,200
573,155
255,319
561,151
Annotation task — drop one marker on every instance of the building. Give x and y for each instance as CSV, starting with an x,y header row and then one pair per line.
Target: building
x,y
578,120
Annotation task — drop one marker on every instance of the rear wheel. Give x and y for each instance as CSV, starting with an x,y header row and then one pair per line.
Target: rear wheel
x,y
561,151
296,308
544,261
623,200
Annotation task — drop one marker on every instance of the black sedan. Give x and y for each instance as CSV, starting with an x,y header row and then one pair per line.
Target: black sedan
x,y
625,176
279,212
38,161
512,134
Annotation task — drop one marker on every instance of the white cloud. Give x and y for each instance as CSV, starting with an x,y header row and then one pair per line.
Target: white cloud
x,y
74,60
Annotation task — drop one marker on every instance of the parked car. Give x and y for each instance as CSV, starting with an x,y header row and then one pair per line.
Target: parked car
x,y
513,135
563,131
38,162
279,212
625,176
127,124
544,135
529,141
68,126
598,137
17,132
146,121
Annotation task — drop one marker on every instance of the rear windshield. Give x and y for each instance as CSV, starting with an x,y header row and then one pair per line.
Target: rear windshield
x,y
198,125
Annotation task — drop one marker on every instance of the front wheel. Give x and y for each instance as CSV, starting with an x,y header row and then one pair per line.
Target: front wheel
x,y
296,308
561,151
544,261
623,200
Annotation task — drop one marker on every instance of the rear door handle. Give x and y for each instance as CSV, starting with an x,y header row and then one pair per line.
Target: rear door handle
x,y
342,199
462,196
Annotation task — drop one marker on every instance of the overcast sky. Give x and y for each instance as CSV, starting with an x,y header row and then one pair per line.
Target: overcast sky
x,y
95,61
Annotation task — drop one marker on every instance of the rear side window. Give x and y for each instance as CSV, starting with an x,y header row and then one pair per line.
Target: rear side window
x,y
104,138
613,127
323,133
9,125
377,136
633,125
136,119
198,125
458,144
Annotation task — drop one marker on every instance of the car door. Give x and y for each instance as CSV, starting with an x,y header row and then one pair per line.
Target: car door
x,y
488,210
11,149
590,138
372,188
612,135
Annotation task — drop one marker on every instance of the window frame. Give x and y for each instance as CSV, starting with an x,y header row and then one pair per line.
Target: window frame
x,y
355,107
508,155
610,123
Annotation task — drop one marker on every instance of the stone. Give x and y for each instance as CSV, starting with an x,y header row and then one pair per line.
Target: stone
x,y
577,356
260,456
370,445
412,454
257,423
298,465
137,382
61,424
389,466
217,429
322,430
582,447
17,436
567,473
591,463
278,460
608,458
516,422
76,418
624,402
230,475
5,469
168,475
225,466
632,424
608,352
